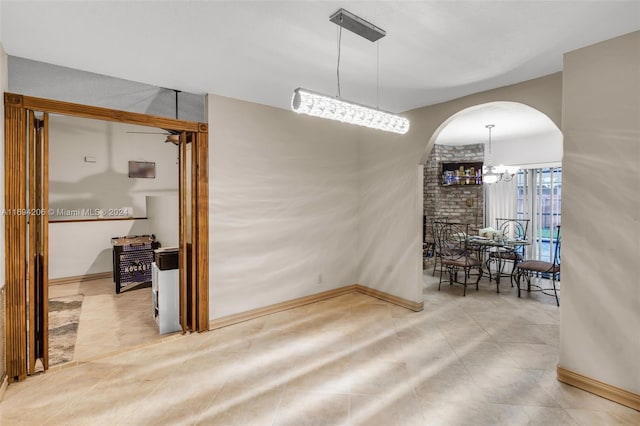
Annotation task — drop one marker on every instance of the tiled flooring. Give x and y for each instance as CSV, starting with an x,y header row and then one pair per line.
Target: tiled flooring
x,y
485,359
110,322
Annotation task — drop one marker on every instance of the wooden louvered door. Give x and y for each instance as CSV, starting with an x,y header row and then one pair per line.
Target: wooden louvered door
x,y
38,234
26,239
184,233
193,152
15,202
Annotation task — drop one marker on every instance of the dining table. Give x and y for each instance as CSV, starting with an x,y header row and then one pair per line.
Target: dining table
x,y
485,246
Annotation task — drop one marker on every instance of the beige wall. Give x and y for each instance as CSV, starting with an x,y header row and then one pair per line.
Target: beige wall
x,y
75,184
294,197
80,248
600,311
283,205
390,190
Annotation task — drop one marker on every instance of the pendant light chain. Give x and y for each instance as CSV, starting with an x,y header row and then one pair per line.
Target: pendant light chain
x,y
177,91
378,74
490,159
338,67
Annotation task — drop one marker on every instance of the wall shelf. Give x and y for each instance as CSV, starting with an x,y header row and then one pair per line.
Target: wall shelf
x,y
106,219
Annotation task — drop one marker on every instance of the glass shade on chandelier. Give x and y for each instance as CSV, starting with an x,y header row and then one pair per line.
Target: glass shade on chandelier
x,y
489,175
307,102
493,174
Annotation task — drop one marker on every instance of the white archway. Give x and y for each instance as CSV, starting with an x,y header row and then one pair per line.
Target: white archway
x,y
523,135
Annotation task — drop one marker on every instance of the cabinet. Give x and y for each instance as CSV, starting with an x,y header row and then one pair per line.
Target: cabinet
x,y
166,300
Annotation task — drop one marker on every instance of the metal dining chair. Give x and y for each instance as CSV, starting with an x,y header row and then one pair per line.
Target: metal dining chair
x,y
435,250
528,268
455,255
513,229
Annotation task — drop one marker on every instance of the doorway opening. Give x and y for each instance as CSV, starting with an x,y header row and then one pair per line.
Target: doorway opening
x,y
27,162
107,180
523,138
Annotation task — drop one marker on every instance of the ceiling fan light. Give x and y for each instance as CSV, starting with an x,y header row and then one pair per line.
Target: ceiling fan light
x,y
174,139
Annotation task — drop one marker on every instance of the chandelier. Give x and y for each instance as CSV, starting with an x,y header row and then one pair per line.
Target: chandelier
x,y
493,174
335,108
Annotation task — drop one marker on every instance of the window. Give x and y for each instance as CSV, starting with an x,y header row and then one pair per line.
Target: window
x,y
539,199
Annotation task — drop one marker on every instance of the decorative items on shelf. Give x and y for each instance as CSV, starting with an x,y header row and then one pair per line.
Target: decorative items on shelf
x,y
462,173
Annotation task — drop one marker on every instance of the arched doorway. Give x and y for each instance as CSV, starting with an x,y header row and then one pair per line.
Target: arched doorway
x,y
525,139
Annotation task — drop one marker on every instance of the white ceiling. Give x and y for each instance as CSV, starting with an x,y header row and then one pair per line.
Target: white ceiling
x,y
261,50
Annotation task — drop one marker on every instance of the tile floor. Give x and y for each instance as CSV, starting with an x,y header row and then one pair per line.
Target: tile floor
x,y
110,322
485,359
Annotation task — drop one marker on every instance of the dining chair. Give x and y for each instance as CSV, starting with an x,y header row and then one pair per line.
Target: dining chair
x,y
428,246
435,251
511,229
528,268
455,256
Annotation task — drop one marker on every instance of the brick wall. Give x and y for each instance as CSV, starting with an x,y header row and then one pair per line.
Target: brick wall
x,y
463,204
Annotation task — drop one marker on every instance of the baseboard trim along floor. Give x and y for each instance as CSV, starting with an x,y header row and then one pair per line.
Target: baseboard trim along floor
x,y
81,278
613,393
318,297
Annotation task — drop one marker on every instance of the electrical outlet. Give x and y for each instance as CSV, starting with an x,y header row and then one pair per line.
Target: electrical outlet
x,y
319,278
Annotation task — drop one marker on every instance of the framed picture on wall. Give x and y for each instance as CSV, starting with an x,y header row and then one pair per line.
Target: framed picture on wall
x,y
142,169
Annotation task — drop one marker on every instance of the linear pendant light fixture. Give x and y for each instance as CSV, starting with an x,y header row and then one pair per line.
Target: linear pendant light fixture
x,y
307,102
335,108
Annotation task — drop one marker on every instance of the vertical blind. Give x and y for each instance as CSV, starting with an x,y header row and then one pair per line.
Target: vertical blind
x,y
500,201
539,195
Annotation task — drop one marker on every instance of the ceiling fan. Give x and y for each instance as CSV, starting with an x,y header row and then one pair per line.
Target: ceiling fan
x,y
173,136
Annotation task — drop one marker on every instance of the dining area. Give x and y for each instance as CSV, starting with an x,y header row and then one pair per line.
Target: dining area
x,y
459,257
494,226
